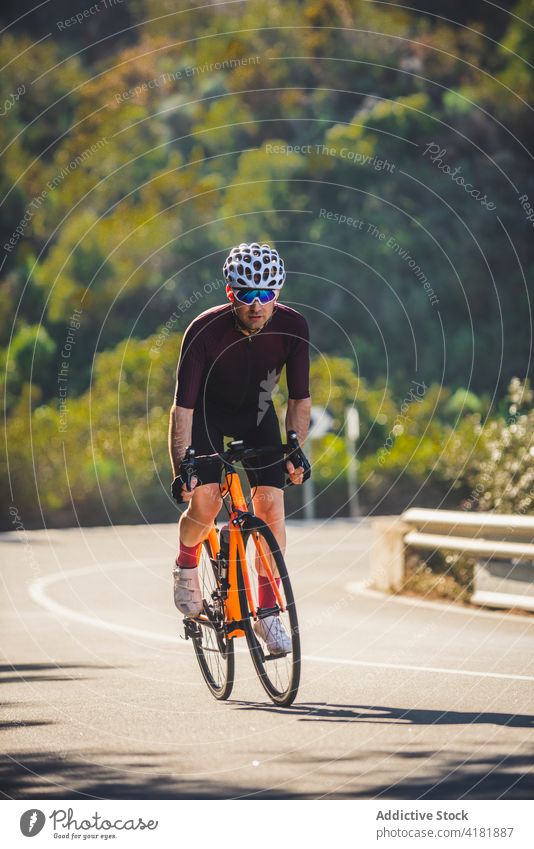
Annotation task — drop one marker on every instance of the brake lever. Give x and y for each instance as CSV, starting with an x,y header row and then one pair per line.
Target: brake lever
x,y
297,457
187,468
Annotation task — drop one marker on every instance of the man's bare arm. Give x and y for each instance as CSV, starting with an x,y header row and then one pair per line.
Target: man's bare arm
x,y
180,430
298,417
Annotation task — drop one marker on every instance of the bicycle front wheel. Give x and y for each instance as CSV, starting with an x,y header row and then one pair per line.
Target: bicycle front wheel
x,y
213,649
278,671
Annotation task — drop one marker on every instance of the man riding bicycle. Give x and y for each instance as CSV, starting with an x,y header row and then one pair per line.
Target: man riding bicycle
x,y
230,362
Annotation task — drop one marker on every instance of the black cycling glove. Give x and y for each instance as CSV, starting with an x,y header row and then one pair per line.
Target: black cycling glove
x,y
297,457
186,474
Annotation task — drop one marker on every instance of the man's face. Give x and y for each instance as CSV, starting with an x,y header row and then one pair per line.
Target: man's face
x,y
255,316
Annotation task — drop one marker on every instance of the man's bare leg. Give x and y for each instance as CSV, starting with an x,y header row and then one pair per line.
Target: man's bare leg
x,y
193,527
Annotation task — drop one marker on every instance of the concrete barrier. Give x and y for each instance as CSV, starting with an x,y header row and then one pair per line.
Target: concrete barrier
x,y
387,553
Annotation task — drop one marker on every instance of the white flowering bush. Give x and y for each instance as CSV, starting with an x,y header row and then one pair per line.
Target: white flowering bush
x,y
491,462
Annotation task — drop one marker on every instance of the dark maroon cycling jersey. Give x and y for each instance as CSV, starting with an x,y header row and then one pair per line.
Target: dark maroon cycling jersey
x,y
222,369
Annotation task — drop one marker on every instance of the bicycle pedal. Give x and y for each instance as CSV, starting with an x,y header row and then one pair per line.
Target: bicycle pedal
x,y
276,656
190,629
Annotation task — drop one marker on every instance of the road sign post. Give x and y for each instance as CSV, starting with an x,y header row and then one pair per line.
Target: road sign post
x,y
352,434
320,424
308,487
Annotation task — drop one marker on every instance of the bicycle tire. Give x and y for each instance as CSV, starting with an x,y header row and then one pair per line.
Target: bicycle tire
x,y
213,650
281,685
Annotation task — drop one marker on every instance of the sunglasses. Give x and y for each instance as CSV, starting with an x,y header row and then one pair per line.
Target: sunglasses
x,y
248,296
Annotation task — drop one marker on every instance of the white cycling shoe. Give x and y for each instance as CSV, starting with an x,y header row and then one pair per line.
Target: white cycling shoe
x,y
274,635
187,593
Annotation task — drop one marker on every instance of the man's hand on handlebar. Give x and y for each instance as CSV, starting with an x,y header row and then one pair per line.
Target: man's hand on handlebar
x,y
179,489
296,475
183,486
297,465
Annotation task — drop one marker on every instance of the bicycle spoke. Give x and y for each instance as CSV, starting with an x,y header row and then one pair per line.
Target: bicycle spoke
x,y
276,628
217,666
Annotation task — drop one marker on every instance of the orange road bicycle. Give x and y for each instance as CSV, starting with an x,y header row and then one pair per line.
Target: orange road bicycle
x,y
230,561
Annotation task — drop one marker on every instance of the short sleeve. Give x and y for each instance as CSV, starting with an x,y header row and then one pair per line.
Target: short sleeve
x,y
298,362
190,368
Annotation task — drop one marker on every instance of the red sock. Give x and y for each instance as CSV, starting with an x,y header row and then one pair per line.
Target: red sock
x,y
266,596
187,556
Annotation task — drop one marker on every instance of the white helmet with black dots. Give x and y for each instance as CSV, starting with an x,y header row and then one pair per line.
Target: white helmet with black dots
x,y
254,266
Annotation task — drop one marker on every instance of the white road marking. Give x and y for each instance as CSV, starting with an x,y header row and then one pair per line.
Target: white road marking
x,y
37,592
361,588
442,670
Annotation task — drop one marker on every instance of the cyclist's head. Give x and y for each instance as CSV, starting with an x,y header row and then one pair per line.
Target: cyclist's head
x,y
254,275
254,266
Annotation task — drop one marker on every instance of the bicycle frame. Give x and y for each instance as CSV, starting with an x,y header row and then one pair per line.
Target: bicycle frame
x,y
238,513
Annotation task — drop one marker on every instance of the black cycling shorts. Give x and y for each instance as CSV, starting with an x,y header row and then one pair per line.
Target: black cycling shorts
x,y
211,427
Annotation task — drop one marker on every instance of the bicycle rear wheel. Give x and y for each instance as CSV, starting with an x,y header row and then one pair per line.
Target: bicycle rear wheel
x,y
213,649
279,674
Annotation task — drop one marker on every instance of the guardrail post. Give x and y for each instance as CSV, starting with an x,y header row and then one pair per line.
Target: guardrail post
x,y
387,554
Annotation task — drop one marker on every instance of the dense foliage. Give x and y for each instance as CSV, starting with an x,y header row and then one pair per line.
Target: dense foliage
x,y
139,142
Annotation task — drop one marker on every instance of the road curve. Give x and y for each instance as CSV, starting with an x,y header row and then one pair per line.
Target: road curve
x,y
102,699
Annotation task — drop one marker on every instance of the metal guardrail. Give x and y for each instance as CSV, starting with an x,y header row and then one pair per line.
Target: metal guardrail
x,y
489,547
462,523
502,544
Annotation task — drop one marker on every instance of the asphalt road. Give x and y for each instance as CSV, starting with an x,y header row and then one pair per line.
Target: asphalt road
x,y
100,697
